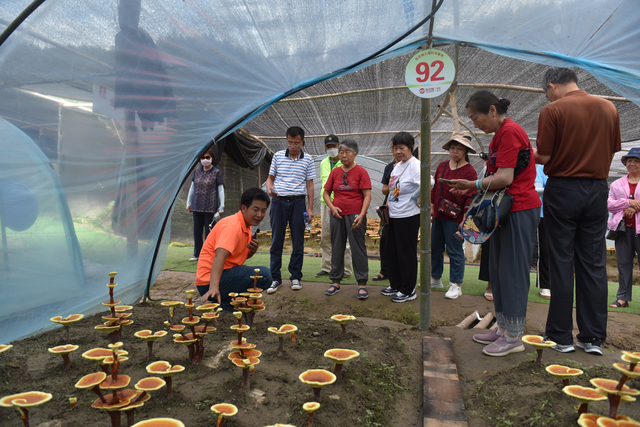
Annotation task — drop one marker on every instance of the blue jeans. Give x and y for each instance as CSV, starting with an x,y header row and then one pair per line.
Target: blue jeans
x,y
283,212
442,236
237,279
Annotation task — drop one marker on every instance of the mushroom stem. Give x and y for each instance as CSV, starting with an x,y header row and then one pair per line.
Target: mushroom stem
x,y
105,368
539,358
114,398
614,401
565,381
239,337
316,393
623,380
245,319
245,378
293,336
281,346
310,420
97,391
344,329
115,418
169,386
142,395
130,419
632,366
114,370
67,361
338,371
220,420
150,346
583,409
25,416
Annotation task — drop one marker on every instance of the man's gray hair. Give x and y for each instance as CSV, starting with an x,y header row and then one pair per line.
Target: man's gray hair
x,y
350,145
561,76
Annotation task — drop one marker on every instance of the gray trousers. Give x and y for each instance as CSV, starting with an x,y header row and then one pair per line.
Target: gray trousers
x,y
626,249
340,232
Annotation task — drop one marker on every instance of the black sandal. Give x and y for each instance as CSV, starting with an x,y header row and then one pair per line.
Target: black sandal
x,y
617,304
379,277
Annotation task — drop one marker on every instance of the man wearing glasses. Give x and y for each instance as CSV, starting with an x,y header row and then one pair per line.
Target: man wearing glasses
x,y
290,181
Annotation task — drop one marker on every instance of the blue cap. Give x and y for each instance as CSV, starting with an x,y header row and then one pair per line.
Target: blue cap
x,y
634,152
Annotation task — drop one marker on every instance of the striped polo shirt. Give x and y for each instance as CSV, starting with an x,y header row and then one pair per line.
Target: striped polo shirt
x,y
291,175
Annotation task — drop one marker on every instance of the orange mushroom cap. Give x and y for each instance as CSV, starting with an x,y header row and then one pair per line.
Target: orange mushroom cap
x,y
276,331
25,400
609,386
588,420
340,355
124,398
257,308
311,406
91,380
171,303
122,308
99,354
110,384
633,356
247,362
243,346
5,347
317,377
537,342
111,304
207,308
610,422
240,328
201,329
107,329
210,316
563,372
288,328
342,318
194,320
147,335
224,409
137,404
583,394
186,340
63,349
150,384
164,368
625,370
247,353
237,314
67,320
109,360
159,422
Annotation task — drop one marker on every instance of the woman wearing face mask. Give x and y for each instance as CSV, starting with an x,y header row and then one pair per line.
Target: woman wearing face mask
x,y
206,198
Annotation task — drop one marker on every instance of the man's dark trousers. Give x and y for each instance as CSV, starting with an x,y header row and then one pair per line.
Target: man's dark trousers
x,y
285,211
575,216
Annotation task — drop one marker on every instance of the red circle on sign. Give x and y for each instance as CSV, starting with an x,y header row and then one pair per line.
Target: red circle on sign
x,y
421,90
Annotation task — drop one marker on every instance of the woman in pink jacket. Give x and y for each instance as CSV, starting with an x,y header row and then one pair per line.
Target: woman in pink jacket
x,y
624,204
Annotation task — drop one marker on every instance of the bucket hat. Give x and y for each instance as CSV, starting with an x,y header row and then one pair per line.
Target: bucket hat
x,y
634,152
463,138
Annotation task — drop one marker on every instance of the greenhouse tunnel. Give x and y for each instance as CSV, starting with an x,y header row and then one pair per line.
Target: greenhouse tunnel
x,y
106,106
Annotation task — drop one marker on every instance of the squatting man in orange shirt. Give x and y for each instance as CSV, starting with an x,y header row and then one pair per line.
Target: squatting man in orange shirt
x,y
221,268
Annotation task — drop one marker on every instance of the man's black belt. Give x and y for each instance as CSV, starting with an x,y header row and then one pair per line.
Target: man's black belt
x,y
290,198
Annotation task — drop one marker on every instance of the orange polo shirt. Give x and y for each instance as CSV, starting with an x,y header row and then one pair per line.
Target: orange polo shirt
x,y
230,233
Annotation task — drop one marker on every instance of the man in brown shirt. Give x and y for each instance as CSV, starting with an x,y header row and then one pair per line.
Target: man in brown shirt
x,y
577,136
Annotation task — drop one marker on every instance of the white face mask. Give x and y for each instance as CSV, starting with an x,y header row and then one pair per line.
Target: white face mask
x,y
332,152
205,162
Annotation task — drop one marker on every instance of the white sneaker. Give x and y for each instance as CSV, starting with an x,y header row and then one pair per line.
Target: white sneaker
x,y
454,291
295,285
193,259
436,283
545,293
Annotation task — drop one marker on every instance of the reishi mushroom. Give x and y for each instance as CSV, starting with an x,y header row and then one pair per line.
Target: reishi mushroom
x,y
224,410
22,401
66,321
92,382
99,354
281,332
166,371
563,372
613,393
311,407
317,378
5,347
246,363
585,395
64,350
591,420
342,319
159,422
150,337
538,342
339,356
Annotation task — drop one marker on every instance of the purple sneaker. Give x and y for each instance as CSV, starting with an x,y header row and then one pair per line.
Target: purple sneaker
x,y
501,347
486,338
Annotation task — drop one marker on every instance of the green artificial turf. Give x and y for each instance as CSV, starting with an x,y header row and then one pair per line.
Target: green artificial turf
x,y
177,260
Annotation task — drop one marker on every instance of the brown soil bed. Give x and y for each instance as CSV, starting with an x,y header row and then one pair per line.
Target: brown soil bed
x,y
383,387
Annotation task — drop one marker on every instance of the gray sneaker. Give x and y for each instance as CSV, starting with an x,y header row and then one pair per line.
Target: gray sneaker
x,y
593,347
502,347
274,286
562,348
295,285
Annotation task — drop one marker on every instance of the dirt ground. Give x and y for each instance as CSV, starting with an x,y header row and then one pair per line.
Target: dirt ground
x,y
383,387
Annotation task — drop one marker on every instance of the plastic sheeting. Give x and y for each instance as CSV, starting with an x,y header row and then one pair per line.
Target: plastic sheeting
x,y
122,104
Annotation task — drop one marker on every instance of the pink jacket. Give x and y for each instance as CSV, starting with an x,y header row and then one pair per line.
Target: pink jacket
x,y
619,200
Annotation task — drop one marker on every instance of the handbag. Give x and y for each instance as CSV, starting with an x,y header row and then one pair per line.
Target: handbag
x,y
487,211
447,207
383,213
619,231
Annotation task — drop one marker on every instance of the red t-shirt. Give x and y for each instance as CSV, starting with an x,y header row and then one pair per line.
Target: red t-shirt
x,y
347,189
441,190
503,153
631,222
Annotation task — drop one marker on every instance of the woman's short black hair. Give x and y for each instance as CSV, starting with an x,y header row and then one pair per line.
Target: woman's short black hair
x,y
403,138
252,194
212,152
482,101
466,149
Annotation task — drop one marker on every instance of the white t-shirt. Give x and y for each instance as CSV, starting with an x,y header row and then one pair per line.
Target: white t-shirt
x,y
409,181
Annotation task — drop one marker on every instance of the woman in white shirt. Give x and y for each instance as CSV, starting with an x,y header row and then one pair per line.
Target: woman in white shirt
x,y
404,214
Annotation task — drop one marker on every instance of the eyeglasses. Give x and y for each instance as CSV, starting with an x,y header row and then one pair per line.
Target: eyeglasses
x,y
206,157
294,144
345,180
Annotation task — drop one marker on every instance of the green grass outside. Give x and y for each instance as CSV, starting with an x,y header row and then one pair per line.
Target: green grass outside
x,y
177,260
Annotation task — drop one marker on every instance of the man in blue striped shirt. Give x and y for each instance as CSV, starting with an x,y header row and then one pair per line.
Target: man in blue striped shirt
x,y
290,181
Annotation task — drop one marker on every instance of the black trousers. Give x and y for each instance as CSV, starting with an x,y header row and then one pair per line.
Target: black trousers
x,y
402,253
543,258
575,216
384,236
483,274
201,221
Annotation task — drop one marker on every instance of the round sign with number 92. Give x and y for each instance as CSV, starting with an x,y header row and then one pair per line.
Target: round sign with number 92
x,y
429,73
